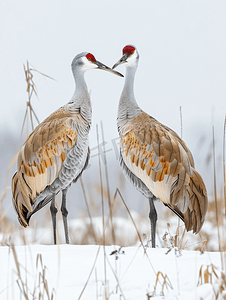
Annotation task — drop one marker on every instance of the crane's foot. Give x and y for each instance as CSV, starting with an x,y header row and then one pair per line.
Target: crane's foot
x,y
153,220
53,211
65,214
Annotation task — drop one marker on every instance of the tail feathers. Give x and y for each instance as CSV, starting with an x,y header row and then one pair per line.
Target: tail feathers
x,y
18,200
190,200
195,215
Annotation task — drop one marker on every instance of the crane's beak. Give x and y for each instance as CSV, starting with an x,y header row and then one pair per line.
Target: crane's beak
x,y
103,67
122,60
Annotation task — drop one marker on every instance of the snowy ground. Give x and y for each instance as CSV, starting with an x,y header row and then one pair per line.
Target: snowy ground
x,y
40,270
130,274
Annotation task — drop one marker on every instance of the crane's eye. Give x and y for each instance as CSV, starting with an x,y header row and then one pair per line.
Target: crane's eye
x,y
90,57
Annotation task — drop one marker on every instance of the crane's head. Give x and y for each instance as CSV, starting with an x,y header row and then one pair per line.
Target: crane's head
x,y
86,61
130,56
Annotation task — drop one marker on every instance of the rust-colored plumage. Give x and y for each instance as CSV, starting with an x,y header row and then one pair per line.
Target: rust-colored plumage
x,y
41,158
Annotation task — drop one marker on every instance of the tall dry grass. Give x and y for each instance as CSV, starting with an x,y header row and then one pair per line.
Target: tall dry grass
x,y
6,227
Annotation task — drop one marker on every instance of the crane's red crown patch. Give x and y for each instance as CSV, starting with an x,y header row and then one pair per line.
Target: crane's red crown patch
x,y
90,57
128,49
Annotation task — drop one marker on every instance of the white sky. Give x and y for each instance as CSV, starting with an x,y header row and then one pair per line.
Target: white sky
x,y
182,47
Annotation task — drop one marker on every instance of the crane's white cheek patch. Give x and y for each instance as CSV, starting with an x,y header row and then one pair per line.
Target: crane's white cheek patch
x,y
88,65
132,59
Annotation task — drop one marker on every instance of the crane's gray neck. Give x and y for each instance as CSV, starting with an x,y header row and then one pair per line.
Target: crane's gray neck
x,y
128,107
80,101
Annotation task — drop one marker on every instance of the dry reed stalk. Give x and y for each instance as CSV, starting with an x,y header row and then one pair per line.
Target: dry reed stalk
x,y
43,283
178,227
42,288
102,205
201,250
181,124
109,216
224,185
96,284
224,176
134,224
20,281
116,277
166,283
181,240
112,205
6,179
176,237
88,210
215,198
5,226
208,274
130,263
31,89
87,281
171,241
108,188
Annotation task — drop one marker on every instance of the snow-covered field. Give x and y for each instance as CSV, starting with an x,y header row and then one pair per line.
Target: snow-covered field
x,y
37,271
128,274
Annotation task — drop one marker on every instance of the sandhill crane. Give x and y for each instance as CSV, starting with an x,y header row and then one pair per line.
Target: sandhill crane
x,y
155,159
56,152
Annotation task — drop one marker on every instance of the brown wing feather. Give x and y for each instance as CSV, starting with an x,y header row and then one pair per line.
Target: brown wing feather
x,y
161,159
198,203
165,148
182,144
40,160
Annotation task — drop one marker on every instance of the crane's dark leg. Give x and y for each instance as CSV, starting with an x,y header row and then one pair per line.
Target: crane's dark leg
x,y
53,210
65,213
153,219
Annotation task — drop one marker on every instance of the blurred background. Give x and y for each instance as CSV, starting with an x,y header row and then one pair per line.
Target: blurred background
x,y
182,46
